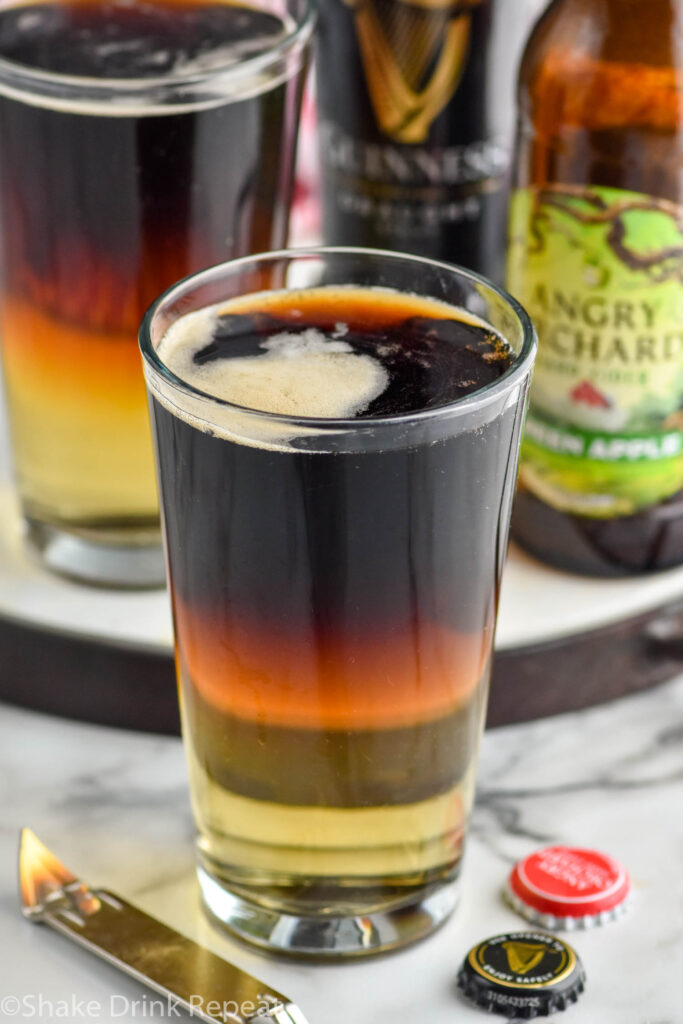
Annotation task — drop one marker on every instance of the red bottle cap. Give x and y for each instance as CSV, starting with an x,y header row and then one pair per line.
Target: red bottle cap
x,y
565,888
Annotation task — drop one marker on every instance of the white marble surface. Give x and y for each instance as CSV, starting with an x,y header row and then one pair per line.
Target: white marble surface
x,y
114,807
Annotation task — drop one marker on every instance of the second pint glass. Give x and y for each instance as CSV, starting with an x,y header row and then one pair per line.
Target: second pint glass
x,y
138,143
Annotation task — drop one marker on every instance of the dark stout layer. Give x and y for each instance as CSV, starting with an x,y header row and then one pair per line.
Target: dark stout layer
x,y
334,611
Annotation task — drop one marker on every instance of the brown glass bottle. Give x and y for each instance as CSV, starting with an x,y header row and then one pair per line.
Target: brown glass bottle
x,y
596,255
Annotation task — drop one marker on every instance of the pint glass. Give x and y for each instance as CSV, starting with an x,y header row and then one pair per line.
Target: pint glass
x,y
138,143
334,583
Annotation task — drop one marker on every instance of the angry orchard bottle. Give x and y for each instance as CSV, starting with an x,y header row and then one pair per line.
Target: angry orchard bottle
x,y
596,256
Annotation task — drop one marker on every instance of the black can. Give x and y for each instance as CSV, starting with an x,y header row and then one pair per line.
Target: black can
x,y
415,126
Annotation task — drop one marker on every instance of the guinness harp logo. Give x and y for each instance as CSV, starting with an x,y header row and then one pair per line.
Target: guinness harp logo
x,y
524,956
413,55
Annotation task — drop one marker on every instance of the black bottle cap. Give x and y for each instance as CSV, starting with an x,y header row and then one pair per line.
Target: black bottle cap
x,y
522,974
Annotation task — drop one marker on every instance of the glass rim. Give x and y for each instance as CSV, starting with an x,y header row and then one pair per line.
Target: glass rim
x,y
519,368
14,74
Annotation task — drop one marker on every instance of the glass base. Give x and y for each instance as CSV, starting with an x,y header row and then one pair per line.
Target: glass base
x,y
99,559
325,936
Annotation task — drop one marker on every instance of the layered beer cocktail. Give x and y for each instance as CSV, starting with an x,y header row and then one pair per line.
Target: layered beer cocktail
x,y
336,462
139,143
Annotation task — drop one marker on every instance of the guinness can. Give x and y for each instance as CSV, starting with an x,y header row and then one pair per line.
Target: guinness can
x,y
415,131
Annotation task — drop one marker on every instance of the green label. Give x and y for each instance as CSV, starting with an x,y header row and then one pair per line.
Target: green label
x,y
600,270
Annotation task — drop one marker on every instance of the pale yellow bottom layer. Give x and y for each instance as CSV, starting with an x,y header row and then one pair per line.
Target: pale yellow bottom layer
x,y
276,844
79,422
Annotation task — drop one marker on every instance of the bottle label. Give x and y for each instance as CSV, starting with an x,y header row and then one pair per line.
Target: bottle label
x,y
600,270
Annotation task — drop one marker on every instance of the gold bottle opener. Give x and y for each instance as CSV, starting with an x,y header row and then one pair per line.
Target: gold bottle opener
x,y
208,987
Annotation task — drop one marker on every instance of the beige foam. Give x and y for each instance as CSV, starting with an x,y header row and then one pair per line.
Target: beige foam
x,y
297,374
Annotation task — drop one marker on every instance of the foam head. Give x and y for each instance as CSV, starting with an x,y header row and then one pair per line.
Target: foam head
x,y
295,373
